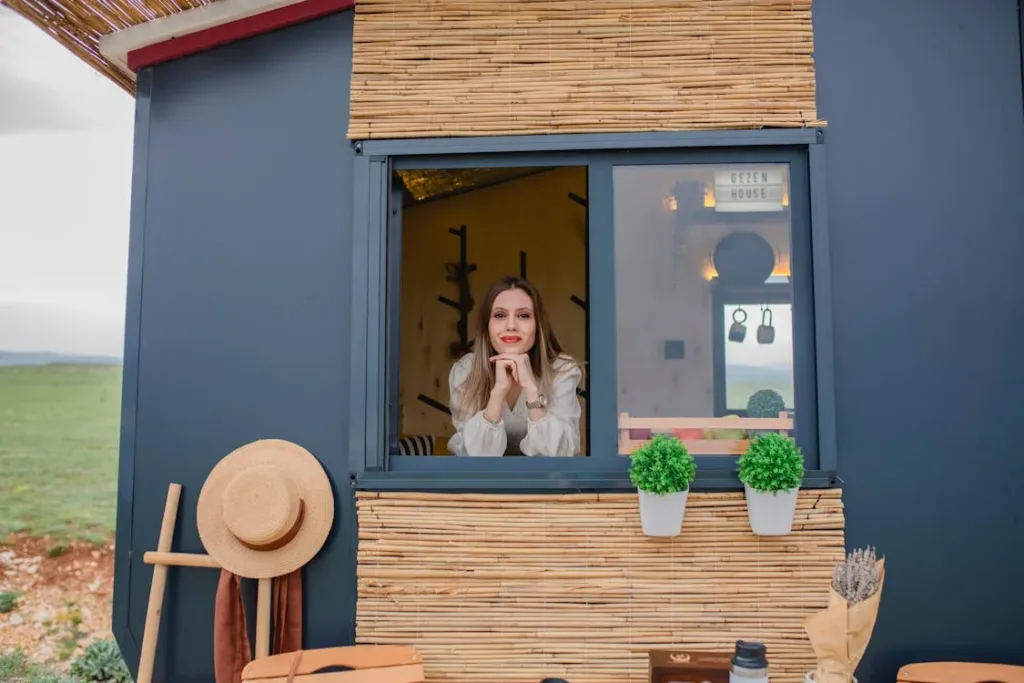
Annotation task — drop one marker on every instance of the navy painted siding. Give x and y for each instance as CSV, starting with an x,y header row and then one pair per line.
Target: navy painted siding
x,y
242,219
925,160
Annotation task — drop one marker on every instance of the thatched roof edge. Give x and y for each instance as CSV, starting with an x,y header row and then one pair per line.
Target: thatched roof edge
x,y
104,33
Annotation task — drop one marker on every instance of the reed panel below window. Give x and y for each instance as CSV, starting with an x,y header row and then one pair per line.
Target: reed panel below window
x,y
516,588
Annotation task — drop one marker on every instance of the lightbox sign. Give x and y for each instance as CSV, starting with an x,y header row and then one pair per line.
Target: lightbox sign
x,y
748,190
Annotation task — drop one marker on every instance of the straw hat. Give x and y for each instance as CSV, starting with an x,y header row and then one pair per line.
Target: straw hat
x,y
265,509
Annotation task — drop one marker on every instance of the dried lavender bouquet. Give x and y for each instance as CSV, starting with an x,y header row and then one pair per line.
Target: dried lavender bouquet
x,y
840,633
859,577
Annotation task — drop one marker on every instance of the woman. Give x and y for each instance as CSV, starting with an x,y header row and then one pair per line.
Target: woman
x,y
515,394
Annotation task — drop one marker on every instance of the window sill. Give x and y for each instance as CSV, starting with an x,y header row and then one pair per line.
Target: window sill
x,y
576,482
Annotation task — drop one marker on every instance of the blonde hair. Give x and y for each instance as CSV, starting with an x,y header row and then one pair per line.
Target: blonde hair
x,y
545,353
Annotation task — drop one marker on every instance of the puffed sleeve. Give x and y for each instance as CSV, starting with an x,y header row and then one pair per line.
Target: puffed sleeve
x,y
474,436
557,434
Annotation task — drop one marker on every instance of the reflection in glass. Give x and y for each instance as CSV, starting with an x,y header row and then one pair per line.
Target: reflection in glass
x,y
694,244
751,366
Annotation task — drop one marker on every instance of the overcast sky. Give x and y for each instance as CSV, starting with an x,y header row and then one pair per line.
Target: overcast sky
x,y
65,188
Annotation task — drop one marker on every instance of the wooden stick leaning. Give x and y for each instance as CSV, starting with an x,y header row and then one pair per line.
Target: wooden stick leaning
x,y
163,558
156,588
263,598
180,559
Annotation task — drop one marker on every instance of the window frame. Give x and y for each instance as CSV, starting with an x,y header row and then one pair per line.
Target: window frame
x,y
373,377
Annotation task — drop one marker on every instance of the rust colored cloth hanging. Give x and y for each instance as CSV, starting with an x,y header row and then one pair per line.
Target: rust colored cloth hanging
x,y
231,647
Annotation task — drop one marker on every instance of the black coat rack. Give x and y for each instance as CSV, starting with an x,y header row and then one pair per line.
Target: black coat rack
x,y
583,392
459,274
435,404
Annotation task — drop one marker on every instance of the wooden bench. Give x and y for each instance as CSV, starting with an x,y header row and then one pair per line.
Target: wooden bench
x,y
365,664
694,431
960,672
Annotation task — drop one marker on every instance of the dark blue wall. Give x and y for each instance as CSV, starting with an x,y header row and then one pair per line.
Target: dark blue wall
x,y
925,163
238,309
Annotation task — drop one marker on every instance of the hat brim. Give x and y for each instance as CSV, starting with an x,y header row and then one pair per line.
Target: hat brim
x,y
309,478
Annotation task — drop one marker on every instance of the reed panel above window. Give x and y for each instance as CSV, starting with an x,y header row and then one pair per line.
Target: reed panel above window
x,y
514,67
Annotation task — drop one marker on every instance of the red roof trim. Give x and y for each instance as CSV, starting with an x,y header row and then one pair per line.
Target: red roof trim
x,y
230,32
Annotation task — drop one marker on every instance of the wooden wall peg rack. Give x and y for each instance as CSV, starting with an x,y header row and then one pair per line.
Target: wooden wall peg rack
x,y
163,558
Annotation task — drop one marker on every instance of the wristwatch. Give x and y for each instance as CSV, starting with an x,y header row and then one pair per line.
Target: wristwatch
x,y
541,402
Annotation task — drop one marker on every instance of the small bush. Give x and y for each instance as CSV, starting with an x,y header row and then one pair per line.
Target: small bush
x,y
8,601
16,667
101,662
662,465
765,403
57,550
772,462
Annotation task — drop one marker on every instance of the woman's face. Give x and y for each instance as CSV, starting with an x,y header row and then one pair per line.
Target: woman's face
x,y
513,325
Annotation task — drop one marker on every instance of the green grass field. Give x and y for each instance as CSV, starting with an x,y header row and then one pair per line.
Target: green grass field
x,y
59,431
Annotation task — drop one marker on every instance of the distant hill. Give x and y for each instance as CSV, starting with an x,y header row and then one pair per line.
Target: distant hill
x,y
9,358
41,333
769,375
744,380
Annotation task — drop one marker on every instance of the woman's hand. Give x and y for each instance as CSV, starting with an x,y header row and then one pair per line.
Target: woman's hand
x,y
523,371
504,375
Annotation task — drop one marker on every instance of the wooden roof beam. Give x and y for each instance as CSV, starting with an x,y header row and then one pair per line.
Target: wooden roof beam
x,y
202,28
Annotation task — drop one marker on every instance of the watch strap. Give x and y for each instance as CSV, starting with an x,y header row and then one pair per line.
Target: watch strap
x,y
539,403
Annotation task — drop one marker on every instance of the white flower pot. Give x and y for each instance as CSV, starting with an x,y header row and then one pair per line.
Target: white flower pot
x,y
662,514
771,512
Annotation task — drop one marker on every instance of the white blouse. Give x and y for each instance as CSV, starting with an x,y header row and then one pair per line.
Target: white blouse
x,y
555,434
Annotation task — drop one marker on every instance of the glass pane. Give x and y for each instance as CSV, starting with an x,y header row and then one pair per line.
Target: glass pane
x,y
703,303
463,235
750,366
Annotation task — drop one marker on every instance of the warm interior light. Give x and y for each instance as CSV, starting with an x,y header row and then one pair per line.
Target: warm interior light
x,y
709,197
710,273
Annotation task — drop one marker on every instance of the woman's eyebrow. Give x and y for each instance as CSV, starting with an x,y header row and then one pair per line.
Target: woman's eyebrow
x,y
499,309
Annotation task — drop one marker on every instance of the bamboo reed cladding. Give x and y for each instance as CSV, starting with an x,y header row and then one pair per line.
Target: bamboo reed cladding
x,y
482,67
516,588
79,24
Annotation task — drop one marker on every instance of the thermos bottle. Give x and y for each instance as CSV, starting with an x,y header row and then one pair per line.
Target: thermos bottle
x,y
749,663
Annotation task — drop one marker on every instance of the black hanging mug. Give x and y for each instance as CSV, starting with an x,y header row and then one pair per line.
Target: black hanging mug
x,y
738,331
766,331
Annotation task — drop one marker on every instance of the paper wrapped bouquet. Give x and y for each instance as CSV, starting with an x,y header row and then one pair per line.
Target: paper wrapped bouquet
x,y
840,633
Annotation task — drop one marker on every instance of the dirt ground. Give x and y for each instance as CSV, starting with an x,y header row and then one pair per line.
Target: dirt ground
x,y
64,602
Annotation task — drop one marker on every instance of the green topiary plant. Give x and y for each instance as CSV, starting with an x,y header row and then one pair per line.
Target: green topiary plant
x,y
772,462
765,403
101,662
662,465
